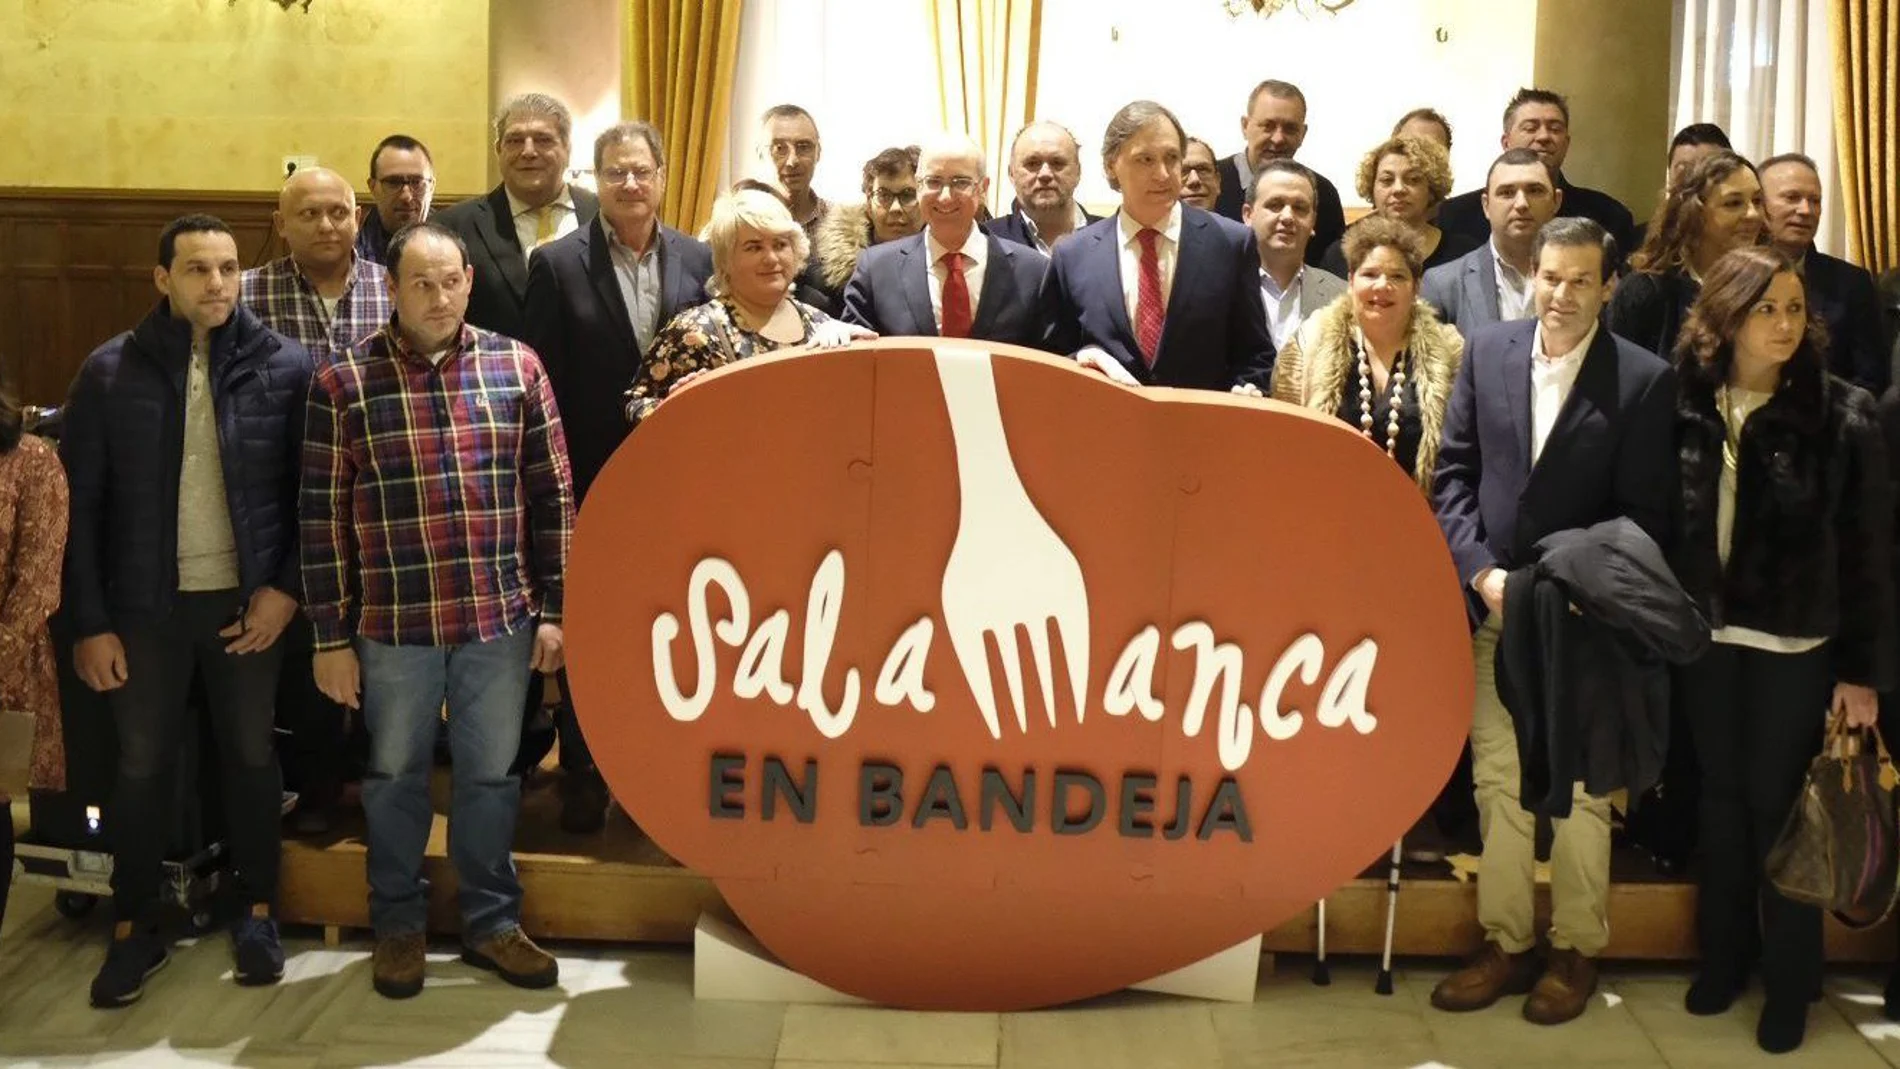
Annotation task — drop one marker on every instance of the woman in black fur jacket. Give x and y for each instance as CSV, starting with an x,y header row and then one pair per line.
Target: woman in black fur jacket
x,y
1786,541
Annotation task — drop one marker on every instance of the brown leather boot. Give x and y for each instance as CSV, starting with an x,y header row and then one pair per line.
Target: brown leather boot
x,y
1564,991
1487,977
396,965
513,956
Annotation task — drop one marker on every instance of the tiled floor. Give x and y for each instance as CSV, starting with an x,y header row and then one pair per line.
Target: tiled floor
x,y
634,1008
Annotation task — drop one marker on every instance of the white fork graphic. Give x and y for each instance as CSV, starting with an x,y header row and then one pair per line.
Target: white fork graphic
x,y
1007,568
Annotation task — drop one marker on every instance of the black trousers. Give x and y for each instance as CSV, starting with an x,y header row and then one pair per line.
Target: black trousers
x,y
321,739
151,713
535,738
1758,719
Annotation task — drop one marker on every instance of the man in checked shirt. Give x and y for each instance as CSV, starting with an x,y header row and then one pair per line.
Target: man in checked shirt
x,y
436,509
326,298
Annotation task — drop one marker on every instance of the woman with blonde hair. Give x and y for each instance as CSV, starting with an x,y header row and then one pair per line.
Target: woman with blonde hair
x,y
1377,358
1405,179
757,249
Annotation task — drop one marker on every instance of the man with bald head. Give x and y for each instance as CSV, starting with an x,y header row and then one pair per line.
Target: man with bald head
x,y
1045,166
326,298
1841,293
952,280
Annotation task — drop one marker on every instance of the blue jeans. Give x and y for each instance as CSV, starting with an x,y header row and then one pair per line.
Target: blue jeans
x,y
485,684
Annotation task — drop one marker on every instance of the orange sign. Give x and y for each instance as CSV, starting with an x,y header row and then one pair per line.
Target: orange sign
x,y
975,681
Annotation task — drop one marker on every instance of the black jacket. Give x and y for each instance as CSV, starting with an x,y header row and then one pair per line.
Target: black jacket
x,y
1811,552
1329,222
486,224
1649,309
123,447
1464,214
1582,663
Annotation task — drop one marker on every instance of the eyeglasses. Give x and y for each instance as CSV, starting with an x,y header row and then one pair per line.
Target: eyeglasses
x,y
887,197
396,183
961,185
784,150
620,176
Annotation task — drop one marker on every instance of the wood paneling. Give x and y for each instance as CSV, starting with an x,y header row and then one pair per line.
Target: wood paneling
x,y
76,268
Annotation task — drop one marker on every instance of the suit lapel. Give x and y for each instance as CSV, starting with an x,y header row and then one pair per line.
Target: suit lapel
x,y
1187,267
600,271
1107,254
675,291
913,273
1596,379
1481,286
1517,388
497,231
999,289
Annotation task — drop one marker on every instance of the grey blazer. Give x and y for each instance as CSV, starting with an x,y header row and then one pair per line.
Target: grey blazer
x,y
1465,291
1318,288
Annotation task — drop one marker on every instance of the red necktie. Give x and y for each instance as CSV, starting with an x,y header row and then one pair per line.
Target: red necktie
x,y
1148,298
956,298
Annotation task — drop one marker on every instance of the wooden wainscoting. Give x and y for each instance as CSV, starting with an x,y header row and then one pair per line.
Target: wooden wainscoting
x,y
76,268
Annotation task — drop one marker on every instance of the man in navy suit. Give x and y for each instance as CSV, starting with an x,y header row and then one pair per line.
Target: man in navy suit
x,y
1045,166
1159,294
1554,423
1843,294
533,205
1492,283
596,299
952,280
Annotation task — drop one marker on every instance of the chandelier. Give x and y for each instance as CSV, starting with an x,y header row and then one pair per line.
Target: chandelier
x,y
1267,8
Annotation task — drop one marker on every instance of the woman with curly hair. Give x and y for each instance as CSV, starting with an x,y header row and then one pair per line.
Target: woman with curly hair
x,y
1405,179
1786,543
1377,358
1715,208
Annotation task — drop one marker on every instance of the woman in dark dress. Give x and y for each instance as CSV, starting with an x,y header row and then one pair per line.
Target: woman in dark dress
x,y
1405,179
1717,207
1377,358
1786,542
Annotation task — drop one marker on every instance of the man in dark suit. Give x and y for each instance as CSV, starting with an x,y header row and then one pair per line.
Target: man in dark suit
x,y
1492,283
1842,293
1045,166
596,300
1160,294
1539,119
1554,423
952,280
1275,128
533,205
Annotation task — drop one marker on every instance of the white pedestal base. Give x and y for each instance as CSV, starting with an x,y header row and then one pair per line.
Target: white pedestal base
x,y
729,964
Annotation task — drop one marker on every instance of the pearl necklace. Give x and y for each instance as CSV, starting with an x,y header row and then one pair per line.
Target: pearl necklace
x,y
1396,380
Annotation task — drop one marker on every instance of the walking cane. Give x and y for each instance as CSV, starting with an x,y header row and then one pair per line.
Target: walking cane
x,y
1383,985
1322,975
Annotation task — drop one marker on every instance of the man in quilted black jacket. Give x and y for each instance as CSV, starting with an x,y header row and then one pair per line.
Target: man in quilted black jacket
x,y
181,444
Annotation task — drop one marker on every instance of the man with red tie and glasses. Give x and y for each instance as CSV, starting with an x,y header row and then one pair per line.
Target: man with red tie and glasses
x,y
1161,293
953,280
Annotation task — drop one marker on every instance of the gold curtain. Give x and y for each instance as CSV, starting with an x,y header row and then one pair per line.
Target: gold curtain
x,y
1867,126
681,58
986,72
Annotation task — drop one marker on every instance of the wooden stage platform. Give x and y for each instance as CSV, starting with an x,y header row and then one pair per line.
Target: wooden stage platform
x,y
618,887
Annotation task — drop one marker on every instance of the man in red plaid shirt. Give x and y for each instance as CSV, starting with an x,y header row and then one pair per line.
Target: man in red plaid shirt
x,y
436,511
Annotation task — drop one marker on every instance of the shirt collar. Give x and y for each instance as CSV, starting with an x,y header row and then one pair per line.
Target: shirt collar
x,y
464,340
519,207
1273,289
1504,269
976,246
1574,356
295,270
622,248
1170,227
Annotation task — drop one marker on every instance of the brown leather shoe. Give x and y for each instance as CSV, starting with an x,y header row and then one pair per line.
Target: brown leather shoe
x,y
396,966
1489,976
1564,991
514,957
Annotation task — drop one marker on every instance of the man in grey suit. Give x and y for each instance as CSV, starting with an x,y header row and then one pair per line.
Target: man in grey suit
x,y
1282,208
533,205
952,280
1492,283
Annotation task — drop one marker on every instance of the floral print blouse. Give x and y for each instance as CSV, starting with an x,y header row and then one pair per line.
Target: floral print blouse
x,y
32,548
701,338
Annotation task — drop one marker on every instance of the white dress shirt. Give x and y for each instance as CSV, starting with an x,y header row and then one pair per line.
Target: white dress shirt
x,y
1551,381
566,220
1079,220
1166,249
1514,288
1282,306
976,249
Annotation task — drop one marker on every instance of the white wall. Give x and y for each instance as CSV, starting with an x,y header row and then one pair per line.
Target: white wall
x,y
865,69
